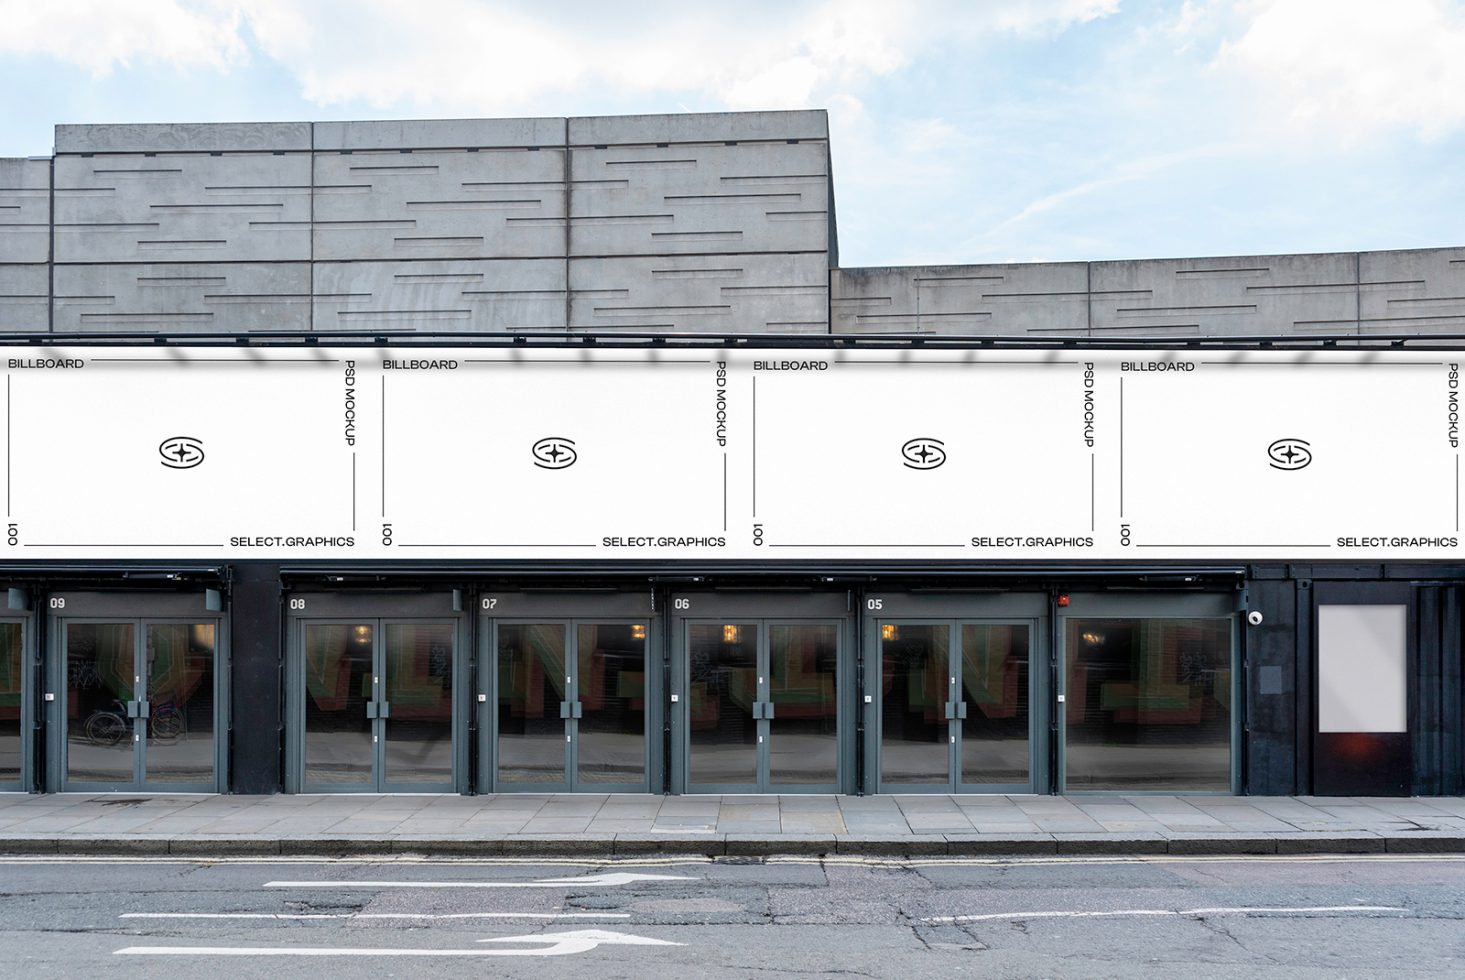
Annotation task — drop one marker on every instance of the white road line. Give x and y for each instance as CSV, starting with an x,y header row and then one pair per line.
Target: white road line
x,y
1121,913
385,859
303,916
549,943
617,878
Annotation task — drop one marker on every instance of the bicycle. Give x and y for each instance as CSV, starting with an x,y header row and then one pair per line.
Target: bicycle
x,y
108,726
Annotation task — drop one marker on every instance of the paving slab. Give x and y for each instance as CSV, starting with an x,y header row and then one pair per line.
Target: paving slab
x,y
604,824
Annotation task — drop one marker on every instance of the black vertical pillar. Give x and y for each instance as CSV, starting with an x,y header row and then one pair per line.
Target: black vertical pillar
x,y
1428,729
1271,695
1452,756
256,634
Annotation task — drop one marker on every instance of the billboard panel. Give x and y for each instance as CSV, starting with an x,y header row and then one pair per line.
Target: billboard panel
x,y
740,453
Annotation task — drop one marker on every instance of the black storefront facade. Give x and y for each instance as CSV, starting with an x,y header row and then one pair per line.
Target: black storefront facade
x,y
846,678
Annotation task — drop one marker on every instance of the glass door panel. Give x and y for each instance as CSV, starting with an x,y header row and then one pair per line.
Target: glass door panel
x,y
915,735
417,725
721,693
610,676
12,669
533,689
100,697
339,749
1148,704
180,697
994,735
803,744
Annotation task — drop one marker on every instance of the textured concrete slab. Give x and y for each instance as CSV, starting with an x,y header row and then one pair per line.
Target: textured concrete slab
x,y
1101,843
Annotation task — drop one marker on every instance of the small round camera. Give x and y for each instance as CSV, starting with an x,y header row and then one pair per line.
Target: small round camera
x,y
1254,617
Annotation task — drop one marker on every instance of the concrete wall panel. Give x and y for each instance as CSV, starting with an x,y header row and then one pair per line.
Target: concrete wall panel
x,y
701,127
183,207
1233,296
699,199
440,204
1417,291
700,294
23,292
427,134
205,297
25,210
182,137
447,295
996,300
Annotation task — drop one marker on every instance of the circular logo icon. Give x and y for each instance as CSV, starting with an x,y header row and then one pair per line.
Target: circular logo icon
x,y
923,453
181,452
554,453
1289,454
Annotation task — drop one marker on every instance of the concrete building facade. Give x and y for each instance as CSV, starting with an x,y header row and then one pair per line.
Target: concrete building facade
x,y
861,674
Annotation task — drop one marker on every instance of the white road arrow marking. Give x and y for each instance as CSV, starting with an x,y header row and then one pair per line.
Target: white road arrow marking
x,y
614,878
551,944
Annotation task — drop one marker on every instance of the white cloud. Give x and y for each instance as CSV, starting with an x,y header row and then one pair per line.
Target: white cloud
x,y
102,36
1354,69
484,56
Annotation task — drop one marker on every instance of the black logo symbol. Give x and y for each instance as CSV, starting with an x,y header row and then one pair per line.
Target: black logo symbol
x,y
181,452
554,453
1289,454
924,453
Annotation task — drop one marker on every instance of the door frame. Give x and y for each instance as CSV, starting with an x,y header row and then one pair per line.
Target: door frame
x,y
141,610
30,674
956,609
571,608
1152,605
765,609
381,610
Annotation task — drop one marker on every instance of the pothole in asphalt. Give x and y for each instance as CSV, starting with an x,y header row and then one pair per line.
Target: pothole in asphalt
x,y
128,802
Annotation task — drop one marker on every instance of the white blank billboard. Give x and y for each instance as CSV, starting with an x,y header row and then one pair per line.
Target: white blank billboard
x,y
704,453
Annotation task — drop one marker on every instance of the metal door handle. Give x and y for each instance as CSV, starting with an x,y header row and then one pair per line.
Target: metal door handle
x,y
961,710
384,709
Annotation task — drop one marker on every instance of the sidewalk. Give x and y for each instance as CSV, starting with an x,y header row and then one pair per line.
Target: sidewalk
x,y
601,825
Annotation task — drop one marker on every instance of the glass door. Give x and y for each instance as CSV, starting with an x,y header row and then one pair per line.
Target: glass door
x,y
609,726
951,700
337,662
102,704
572,706
14,707
762,712
178,718
141,705
377,712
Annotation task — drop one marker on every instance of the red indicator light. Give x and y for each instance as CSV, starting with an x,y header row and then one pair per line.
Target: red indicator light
x,y
1063,600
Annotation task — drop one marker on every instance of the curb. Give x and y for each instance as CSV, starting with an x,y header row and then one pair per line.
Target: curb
x,y
611,846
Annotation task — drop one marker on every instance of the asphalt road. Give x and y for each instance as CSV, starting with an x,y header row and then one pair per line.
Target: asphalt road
x,y
1089,918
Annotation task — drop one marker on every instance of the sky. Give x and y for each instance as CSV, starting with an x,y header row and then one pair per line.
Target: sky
x,y
962,131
